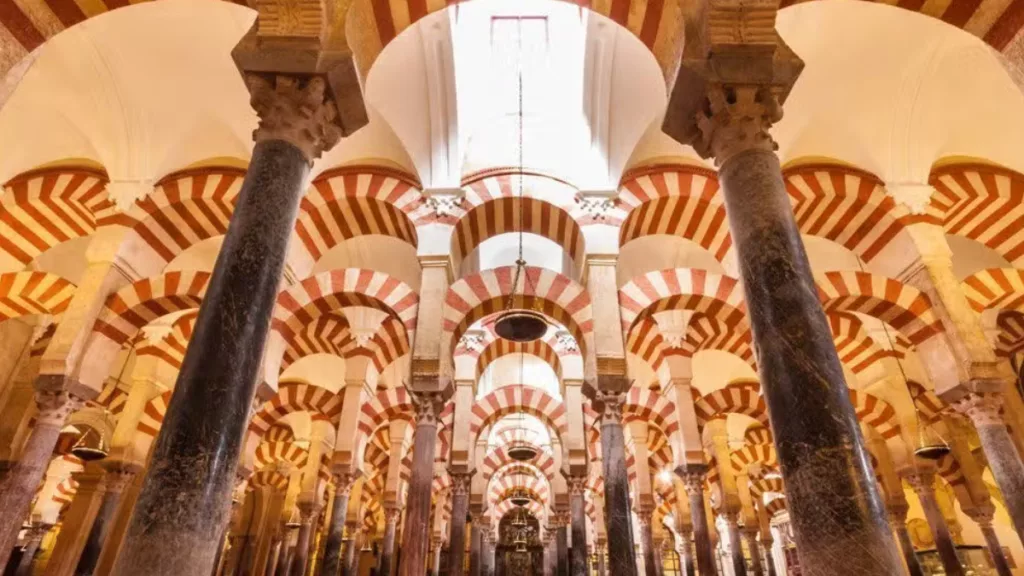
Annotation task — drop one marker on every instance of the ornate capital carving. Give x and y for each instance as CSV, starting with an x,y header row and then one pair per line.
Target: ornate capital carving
x,y
55,407
609,406
294,109
392,513
428,407
644,516
982,409
922,482
344,481
118,479
577,485
561,518
737,119
461,482
693,479
898,512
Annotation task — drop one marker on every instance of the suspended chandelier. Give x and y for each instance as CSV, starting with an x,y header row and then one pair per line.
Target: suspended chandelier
x,y
89,453
520,325
519,497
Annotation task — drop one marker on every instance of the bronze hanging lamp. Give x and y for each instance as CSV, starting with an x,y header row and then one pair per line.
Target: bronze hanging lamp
x,y
88,452
520,325
520,498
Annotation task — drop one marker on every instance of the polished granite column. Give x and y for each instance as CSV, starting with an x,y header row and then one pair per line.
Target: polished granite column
x,y
18,486
755,550
562,547
308,513
416,531
739,563
334,546
983,518
617,514
693,481
387,545
117,478
647,542
474,546
184,502
898,519
457,531
351,564
1003,458
602,549
578,519
32,540
831,493
923,484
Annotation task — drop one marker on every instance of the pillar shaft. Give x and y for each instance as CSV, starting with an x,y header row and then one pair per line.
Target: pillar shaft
x,y
304,541
739,563
333,548
416,532
601,551
387,545
685,553
755,551
618,518
19,484
898,519
35,537
183,506
1002,455
578,521
693,481
457,533
832,495
474,549
351,567
116,481
923,485
995,549
647,543
435,562
562,547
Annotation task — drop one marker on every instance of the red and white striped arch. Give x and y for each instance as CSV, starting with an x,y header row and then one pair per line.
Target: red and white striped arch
x,y
273,453
1010,340
666,180
183,209
478,295
902,306
648,406
325,221
876,413
31,292
111,398
646,342
762,485
271,479
982,202
139,303
775,506
949,470
514,399
736,398
849,207
682,289
763,454
514,214
490,184
927,401
856,349
44,208
499,347
758,434
172,348
279,433
996,288
296,397
393,187
503,484
385,406
696,218
327,334
705,332
153,414
534,508
498,457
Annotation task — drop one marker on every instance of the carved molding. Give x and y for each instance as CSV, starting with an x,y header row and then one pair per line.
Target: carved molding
x,y
296,110
982,409
738,119
55,407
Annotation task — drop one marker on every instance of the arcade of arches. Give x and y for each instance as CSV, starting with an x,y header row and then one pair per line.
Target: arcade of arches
x,y
254,260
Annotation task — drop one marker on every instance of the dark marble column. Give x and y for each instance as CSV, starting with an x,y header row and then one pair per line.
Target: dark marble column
x,y
617,513
474,547
117,478
307,515
923,484
984,520
184,502
387,546
562,550
739,563
19,484
1002,455
487,553
28,554
766,548
550,550
578,521
351,566
898,519
693,481
457,529
647,542
416,532
831,492
335,540
602,549
755,550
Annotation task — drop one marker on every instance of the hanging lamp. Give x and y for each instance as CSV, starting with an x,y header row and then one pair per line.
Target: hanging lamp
x,y
520,498
520,325
88,453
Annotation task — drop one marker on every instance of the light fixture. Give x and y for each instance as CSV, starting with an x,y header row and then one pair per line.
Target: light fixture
x,y
88,453
293,521
520,325
520,497
521,451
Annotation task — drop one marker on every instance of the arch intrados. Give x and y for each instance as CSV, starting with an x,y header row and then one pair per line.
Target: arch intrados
x,y
508,400
697,290
322,226
697,219
29,293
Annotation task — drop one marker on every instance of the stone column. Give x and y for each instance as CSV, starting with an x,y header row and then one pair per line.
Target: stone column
x,y
474,546
739,563
416,531
1002,455
562,547
333,548
351,567
19,484
693,481
755,549
183,506
28,554
550,553
117,478
487,551
647,541
898,519
982,516
461,483
685,553
387,546
308,512
833,499
602,549
435,561
578,519
617,514
923,484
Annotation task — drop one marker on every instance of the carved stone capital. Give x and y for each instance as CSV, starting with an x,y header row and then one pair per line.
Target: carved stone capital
x,y
982,408
561,518
461,482
609,406
898,512
922,482
737,119
577,485
118,478
428,407
344,481
55,406
392,513
294,109
644,516
693,478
